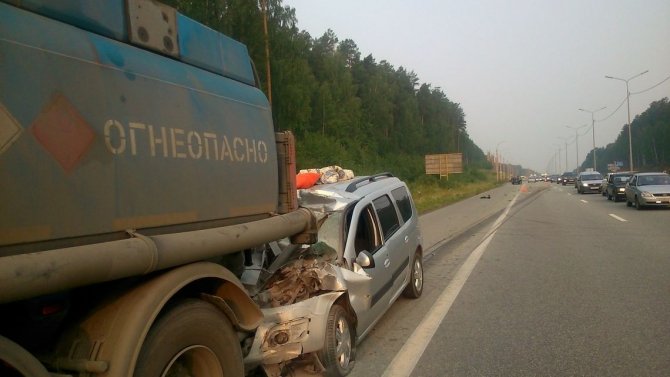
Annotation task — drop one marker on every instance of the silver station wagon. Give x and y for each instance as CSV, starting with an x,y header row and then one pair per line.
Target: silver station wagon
x,y
325,298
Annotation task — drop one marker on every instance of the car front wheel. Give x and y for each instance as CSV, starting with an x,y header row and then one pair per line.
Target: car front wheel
x,y
637,204
339,350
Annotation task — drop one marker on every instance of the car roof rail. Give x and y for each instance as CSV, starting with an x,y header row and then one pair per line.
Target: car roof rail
x,y
353,186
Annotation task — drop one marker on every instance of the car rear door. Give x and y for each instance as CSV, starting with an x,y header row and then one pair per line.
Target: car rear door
x,y
395,242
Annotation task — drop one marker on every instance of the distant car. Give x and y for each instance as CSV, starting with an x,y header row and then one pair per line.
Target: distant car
x,y
648,189
589,182
568,177
615,189
516,180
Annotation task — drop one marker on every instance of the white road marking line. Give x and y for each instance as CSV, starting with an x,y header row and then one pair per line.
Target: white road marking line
x,y
618,218
583,201
406,359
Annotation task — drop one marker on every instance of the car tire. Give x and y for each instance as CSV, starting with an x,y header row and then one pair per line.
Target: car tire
x,y
339,349
628,203
637,204
414,287
192,337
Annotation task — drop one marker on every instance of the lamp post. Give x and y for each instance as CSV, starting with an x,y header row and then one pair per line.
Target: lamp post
x,y
593,131
630,136
558,161
565,139
577,141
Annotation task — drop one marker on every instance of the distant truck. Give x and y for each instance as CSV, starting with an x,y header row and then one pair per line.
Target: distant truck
x,y
140,172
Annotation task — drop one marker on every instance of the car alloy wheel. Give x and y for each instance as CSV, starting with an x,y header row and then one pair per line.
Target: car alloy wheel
x,y
339,348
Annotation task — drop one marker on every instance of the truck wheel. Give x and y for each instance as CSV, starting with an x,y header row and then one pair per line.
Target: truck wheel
x,y
339,348
16,361
415,286
191,339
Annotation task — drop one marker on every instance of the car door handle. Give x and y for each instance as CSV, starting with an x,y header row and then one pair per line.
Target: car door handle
x,y
387,263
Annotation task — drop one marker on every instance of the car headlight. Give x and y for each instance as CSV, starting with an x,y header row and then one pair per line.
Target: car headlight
x,y
646,194
585,184
621,189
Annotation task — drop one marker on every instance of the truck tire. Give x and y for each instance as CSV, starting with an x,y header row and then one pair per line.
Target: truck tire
x,y
15,359
192,338
414,287
339,348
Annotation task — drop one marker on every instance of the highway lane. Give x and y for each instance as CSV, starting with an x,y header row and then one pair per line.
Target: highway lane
x,y
563,288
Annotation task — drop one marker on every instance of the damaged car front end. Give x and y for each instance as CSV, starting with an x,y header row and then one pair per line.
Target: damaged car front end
x,y
296,303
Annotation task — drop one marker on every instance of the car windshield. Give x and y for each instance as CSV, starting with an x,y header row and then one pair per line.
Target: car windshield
x,y
647,180
591,177
330,232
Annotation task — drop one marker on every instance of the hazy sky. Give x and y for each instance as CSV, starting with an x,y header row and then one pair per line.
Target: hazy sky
x,y
520,69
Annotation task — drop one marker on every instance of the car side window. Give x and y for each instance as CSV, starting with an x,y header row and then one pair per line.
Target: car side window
x,y
633,181
388,217
403,202
367,233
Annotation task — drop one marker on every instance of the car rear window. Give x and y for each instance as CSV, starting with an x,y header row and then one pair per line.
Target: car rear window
x,y
387,215
403,202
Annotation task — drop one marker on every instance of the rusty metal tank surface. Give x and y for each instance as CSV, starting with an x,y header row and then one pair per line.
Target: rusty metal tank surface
x,y
98,137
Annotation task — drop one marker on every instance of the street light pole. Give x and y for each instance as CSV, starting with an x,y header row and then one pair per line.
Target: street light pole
x,y
593,131
630,135
577,141
565,139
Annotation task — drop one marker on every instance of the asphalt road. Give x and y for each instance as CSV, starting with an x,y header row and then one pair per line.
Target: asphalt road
x,y
560,284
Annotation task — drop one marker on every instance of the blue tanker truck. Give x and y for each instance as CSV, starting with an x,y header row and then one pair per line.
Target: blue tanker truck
x,y
139,171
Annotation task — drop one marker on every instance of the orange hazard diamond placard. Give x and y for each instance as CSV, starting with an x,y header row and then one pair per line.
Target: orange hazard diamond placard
x,y
63,132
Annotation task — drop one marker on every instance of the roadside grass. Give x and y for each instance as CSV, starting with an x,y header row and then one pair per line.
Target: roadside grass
x,y
431,192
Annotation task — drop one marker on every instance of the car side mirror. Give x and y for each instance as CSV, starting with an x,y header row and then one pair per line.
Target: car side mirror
x,y
365,260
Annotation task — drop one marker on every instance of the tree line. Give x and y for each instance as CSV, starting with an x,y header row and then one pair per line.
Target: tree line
x,y
651,142
344,109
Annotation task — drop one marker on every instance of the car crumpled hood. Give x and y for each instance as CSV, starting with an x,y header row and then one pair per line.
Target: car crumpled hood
x,y
308,273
